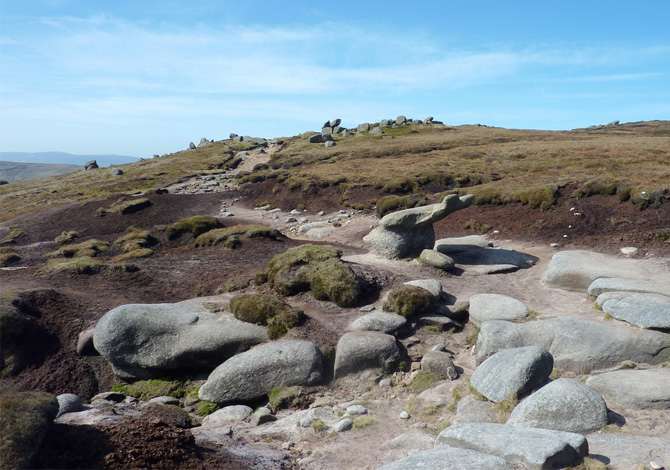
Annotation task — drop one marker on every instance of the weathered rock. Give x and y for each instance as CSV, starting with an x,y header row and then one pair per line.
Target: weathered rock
x,y
411,442
490,260
261,416
329,144
428,120
531,447
326,130
577,269
514,371
191,145
232,135
440,364
227,415
471,410
385,123
408,232
643,310
484,307
203,142
343,425
400,120
578,345
365,350
154,340
431,285
85,343
563,405
91,165
165,400
69,403
451,245
338,129
363,127
254,373
116,172
626,451
449,458
619,284
296,424
634,389
376,131
335,122
436,260
356,410
316,139
385,322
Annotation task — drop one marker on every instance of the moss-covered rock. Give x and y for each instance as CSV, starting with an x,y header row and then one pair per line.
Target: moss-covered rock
x,y
196,226
229,236
335,281
408,300
148,389
266,310
89,248
281,398
25,418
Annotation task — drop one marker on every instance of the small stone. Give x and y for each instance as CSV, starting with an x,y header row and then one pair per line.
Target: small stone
x,y
404,415
321,213
343,425
69,403
385,383
291,220
367,308
629,251
287,445
262,415
357,410
165,400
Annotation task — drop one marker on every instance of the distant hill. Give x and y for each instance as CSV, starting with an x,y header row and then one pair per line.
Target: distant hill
x,y
62,158
15,171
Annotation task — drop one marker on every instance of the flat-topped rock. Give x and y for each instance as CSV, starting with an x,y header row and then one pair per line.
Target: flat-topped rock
x,y
436,259
514,371
449,458
472,410
577,344
643,310
531,447
634,389
563,405
365,350
431,285
621,284
626,451
577,269
154,340
451,245
492,259
485,307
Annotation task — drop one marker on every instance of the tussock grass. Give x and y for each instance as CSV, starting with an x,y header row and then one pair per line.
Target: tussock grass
x,y
408,300
229,236
88,248
268,310
124,207
196,226
79,265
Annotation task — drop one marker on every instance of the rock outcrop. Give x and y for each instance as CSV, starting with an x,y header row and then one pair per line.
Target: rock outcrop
x,y
408,232
634,389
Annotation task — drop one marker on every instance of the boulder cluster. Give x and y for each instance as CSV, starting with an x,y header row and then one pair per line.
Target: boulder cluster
x,y
334,127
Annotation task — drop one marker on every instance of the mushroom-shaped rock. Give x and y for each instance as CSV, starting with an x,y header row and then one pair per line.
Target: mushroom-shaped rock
x,y
254,373
408,232
514,371
365,350
563,405
153,340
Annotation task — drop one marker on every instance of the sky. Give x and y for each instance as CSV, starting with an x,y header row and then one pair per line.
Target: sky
x,y
148,77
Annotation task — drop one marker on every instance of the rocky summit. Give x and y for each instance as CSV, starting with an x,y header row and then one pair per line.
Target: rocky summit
x,y
392,294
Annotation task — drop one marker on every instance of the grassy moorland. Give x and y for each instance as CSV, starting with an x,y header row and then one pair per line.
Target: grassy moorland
x,y
497,165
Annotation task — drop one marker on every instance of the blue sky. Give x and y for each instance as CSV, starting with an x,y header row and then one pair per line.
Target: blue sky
x,y
145,77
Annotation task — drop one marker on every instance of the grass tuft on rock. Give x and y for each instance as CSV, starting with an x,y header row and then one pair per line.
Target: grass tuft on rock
x,y
66,237
408,301
335,281
423,381
196,226
147,389
79,265
269,310
281,398
125,207
90,248
229,236
8,258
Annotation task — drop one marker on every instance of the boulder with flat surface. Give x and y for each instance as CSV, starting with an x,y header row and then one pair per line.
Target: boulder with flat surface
x,y
577,345
634,389
485,307
449,458
386,322
643,310
366,350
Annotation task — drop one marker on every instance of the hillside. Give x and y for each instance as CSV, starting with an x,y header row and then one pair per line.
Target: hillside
x,y
198,233
62,158
15,171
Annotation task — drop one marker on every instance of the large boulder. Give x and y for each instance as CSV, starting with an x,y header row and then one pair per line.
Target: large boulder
x,y
577,269
634,389
254,373
563,405
449,458
531,447
91,165
514,371
153,340
485,307
578,345
620,284
408,232
365,350
643,310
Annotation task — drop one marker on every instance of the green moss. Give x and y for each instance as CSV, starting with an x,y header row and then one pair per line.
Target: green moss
x,y
90,248
13,236
281,398
268,310
25,418
401,186
206,408
387,204
66,237
423,381
646,199
195,225
363,422
134,254
408,300
147,389
232,285
125,207
222,235
79,265
335,281
542,197
287,272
